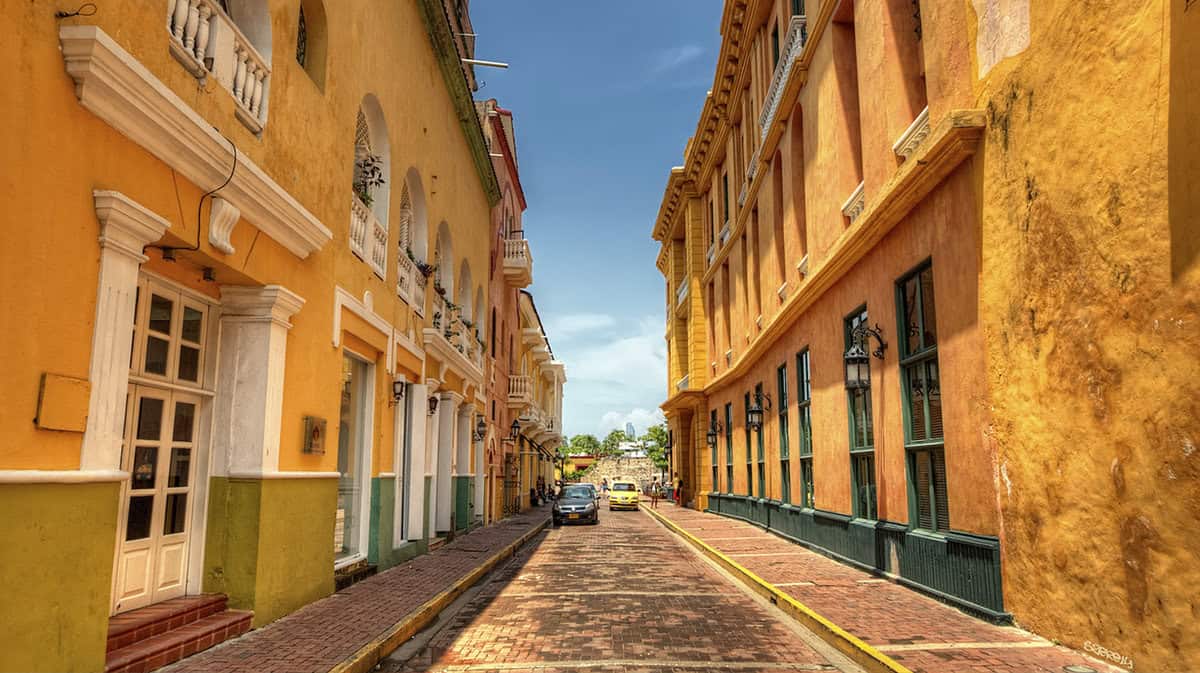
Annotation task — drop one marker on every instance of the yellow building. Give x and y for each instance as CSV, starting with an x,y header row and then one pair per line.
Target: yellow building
x,y
245,297
535,397
931,269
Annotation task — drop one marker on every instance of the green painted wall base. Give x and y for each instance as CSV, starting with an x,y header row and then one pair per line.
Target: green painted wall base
x,y
427,527
383,517
464,502
56,574
958,568
270,543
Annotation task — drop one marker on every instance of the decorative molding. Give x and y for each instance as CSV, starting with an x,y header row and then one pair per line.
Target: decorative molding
x,y
911,139
365,310
269,303
281,474
114,86
61,476
126,228
856,203
221,220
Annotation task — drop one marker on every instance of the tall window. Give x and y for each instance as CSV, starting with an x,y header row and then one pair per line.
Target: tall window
x,y
775,46
749,455
725,195
712,219
785,474
804,411
762,460
798,7
712,423
729,447
862,433
923,438
302,40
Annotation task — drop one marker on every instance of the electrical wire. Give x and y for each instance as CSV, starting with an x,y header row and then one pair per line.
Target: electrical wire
x,y
86,9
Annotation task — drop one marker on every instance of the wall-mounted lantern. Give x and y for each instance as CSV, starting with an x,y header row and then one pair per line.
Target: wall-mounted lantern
x,y
515,430
398,386
714,429
433,404
754,414
858,363
480,429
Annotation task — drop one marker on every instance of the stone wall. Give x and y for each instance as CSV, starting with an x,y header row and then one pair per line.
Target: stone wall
x,y
639,470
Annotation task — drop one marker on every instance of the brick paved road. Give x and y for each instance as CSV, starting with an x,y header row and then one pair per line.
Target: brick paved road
x,y
624,596
917,631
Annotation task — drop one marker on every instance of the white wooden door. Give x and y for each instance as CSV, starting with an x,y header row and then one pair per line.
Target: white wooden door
x,y
159,454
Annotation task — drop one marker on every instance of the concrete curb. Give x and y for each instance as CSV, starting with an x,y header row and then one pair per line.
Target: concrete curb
x,y
860,652
384,644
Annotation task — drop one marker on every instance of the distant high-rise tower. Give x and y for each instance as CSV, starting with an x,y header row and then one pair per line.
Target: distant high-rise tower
x,y
630,431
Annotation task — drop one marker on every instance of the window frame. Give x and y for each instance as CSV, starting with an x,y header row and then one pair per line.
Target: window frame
x,y
729,447
804,418
761,453
716,486
930,450
749,455
785,476
861,453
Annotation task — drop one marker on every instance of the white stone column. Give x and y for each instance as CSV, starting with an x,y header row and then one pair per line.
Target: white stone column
x,y
463,441
417,401
125,229
250,371
447,414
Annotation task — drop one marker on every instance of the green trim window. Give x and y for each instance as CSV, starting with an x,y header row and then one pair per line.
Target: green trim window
x,y
716,486
729,447
725,194
749,455
920,381
804,411
785,473
798,7
762,460
862,431
775,46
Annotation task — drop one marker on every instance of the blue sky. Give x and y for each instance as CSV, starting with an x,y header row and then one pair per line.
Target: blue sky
x,y
604,96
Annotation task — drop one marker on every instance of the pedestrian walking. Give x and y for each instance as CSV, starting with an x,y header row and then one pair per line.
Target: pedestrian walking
x,y
678,490
604,487
655,492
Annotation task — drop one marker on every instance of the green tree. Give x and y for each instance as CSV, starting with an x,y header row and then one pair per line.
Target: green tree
x,y
583,445
611,446
655,442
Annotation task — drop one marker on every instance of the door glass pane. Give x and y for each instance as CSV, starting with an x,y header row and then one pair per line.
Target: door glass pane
x,y
175,520
160,314
912,325
916,403
156,356
185,415
189,363
181,462
150,417
350,439
193,325
928,308
138,523
934,390
921,460
145,464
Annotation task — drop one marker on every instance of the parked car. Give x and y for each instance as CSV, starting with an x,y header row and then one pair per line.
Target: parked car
x,y
592,488
624,495
576,504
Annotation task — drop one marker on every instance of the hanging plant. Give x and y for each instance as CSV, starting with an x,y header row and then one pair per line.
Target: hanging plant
x,y
368,174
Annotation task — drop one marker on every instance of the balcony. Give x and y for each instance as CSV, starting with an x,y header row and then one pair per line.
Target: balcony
x,y
682,384
520,393
911,139
681,294
724,236
206,41
518,262
368,237
406,276
711,255
793,46
856,204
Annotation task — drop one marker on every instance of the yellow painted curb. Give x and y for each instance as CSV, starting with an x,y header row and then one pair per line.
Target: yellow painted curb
x,y
860,652
370,654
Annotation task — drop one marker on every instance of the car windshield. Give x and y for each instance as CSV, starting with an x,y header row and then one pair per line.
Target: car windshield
x,y
577,492
624,487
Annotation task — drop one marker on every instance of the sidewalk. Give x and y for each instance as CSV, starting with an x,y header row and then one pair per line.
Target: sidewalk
x,y
352,629
914,630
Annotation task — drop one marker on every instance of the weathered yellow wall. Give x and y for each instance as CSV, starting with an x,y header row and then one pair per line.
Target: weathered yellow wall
x,y
50,532
1092,345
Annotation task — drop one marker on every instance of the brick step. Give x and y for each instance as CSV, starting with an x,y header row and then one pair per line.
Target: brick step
x,y
128,628
167,648
353,574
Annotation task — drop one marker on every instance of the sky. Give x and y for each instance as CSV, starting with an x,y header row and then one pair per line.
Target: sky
x,y
604,97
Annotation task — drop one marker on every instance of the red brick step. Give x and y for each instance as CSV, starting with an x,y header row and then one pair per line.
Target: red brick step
x,y
127,628
173,644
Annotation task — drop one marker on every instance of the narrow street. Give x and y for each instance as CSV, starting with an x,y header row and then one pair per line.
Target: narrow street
x,y
625,595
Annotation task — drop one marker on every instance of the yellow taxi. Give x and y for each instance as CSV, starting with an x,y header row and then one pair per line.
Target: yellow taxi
x,y
623,495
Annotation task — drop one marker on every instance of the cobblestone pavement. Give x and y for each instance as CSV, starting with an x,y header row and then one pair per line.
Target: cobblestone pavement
x,y
322,634
915,630
623,596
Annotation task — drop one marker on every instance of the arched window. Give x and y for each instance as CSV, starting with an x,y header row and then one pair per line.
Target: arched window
x,y
371,186
443,262
312,40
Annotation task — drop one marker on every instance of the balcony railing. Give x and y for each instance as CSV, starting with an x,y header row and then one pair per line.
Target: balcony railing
x,y
712,254
368,237
681,294
724,235
206,41
682,384
791,49
419,284
406,276
518,262
519,391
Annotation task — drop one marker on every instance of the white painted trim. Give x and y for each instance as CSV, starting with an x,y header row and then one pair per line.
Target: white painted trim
x,y
115,87
61,476
343,299
338,564
908,142
282,474
386,475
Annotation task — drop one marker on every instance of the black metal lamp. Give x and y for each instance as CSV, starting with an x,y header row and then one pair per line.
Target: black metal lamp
x,y
433,402
858,363
480,429
515,430
398,386
714,429
754,414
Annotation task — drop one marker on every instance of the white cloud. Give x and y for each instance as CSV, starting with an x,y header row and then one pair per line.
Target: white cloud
x,y
674,57
567,326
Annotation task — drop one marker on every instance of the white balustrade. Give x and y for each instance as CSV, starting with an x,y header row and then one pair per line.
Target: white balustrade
x,y
379,235
406,273
207,41
360,217
420,283
793,46
368,237
681,293
682,384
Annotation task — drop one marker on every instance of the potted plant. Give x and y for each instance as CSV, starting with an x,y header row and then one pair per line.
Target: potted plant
x,y
368,174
